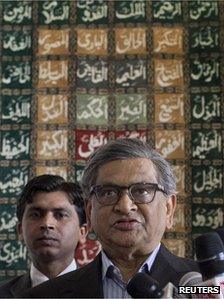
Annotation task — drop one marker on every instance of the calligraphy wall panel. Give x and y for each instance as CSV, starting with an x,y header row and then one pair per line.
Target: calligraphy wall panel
x,y
75,74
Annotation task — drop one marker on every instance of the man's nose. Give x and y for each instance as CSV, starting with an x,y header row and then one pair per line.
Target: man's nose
x,y
125,204
47,222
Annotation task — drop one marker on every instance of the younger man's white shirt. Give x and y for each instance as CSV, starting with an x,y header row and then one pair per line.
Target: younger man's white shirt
x,y
37,277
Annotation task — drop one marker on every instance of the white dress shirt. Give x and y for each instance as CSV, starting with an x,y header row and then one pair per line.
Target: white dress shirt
x,y
113,285
37,277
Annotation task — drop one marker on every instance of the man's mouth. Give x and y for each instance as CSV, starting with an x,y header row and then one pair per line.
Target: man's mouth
x,y
126,224
48,241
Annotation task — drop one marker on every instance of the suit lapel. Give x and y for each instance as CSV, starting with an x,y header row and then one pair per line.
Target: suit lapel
x,y
161,269
21,285
87,283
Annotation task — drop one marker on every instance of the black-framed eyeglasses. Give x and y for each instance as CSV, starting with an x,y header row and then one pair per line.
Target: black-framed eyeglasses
x,y
139,193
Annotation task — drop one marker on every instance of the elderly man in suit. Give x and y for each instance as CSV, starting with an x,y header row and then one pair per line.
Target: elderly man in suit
x,y
130,194
51,222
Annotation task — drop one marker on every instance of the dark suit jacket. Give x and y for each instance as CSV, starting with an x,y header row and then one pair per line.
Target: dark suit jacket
x,y
86,282
14,287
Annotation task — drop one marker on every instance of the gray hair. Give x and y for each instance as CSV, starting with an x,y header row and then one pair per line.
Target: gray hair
x,y
122,149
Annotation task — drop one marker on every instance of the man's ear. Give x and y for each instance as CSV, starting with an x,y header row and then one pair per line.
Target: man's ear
x,y
170,208
19,230
83,233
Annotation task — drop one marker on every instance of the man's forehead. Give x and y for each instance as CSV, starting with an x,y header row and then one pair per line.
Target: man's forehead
x,y
47,207
52,199
136,169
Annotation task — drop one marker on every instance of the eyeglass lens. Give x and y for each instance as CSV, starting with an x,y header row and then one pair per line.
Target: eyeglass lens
x,y
140,193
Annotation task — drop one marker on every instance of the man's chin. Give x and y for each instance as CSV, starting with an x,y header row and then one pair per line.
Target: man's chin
x,y
47,253
126,242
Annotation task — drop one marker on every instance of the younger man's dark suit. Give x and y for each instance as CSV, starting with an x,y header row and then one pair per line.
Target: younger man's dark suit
x,y
14,287
86,282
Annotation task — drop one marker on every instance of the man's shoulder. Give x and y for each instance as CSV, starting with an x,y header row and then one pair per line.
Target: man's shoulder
x,y
72,284
82,271
177,261
9,282
7,286
168,267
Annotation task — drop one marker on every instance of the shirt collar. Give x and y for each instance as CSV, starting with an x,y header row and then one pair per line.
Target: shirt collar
x,y
38,277
106,262
145,267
